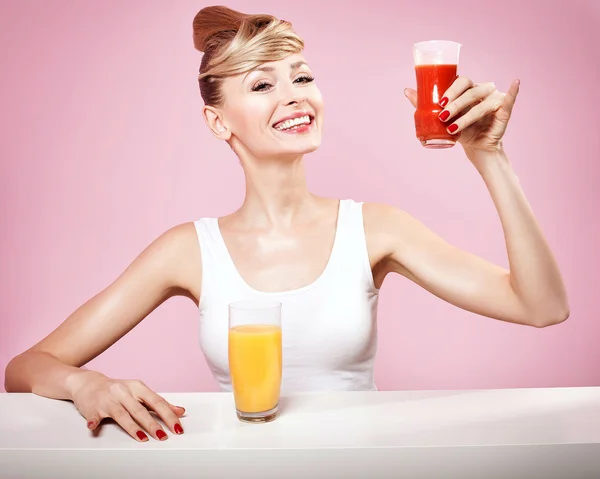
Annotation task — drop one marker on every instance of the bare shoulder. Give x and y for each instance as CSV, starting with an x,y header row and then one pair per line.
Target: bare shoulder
x,y
374,212
391,224
177,251
170,265
384,225
395,238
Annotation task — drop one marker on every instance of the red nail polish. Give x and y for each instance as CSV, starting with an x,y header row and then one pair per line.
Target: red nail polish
x,y
444,115
160,434
178,429
452,128
141,435
90,424
443,102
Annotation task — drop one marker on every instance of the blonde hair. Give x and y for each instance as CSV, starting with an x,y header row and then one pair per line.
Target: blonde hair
x,y
235,43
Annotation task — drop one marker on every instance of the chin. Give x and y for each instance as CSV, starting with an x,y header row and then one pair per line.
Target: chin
x,y
302,148
309,148
300,151
301,143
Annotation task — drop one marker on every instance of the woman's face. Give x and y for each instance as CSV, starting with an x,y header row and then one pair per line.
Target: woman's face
x,y
275,110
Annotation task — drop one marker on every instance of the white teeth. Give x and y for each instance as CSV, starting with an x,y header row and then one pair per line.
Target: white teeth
x,y
303,120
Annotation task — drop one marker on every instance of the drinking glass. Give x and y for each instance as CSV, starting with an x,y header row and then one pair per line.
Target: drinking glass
x,y
255,359
436,65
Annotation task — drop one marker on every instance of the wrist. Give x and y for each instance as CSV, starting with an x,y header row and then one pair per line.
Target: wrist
x,y
490,161
76,379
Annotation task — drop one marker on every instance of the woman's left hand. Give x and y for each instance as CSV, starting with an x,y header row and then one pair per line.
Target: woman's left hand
x,y
476,110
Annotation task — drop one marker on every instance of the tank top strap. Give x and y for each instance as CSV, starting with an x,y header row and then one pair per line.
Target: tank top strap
x,y
352,256
211,253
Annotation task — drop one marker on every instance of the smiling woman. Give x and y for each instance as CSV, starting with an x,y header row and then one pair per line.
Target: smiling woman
x,y
249,62
253,109
324,259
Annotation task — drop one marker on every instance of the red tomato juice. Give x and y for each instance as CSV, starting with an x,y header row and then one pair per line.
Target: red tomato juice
x,y
432,82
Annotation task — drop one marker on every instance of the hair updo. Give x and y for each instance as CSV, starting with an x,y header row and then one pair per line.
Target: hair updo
x,y
235,43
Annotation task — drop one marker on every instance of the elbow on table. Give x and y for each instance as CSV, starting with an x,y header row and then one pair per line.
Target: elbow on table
x,y
8,382
13,381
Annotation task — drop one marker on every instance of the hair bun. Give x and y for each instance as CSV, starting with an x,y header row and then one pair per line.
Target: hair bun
x,y
234,43
215,20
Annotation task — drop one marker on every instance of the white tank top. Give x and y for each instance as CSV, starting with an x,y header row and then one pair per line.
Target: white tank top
x,y
329,327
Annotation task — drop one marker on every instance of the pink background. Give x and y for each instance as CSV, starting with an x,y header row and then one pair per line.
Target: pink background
x,y
103,147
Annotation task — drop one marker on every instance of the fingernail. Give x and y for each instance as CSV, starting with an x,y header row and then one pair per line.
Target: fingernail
x,y
90,425
406,92
142,436
444,115
178,429
443,102
160,434
452,128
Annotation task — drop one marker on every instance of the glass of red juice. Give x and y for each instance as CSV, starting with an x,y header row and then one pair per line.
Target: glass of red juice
x,y
436,65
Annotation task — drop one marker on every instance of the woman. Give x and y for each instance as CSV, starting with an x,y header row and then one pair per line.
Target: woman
x,y
324,259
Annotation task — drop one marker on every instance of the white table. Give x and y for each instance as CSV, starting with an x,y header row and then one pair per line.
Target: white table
x,y
483,434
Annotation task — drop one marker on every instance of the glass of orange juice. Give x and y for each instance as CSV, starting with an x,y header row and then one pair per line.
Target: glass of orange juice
x,y
255,359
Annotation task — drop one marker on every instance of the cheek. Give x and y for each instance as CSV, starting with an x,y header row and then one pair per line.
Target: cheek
x,y
253,117
245,124
316,101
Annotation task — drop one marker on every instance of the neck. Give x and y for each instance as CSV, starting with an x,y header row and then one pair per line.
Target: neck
x,y
276,191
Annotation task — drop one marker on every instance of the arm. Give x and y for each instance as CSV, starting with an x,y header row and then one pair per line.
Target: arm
x,y
169,266
530,293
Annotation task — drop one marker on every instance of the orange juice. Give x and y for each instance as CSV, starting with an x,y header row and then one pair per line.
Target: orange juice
x,y
255,366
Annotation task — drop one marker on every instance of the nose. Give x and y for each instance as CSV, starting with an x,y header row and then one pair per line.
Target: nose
x,y
293,100
291,96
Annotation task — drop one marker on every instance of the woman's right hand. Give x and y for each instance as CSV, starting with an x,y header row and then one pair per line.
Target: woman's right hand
x,y
128,402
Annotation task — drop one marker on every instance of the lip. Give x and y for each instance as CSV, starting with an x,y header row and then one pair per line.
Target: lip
x,y
294,115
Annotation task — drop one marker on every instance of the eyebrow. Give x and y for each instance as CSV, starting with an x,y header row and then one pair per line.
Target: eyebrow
x,y
265,68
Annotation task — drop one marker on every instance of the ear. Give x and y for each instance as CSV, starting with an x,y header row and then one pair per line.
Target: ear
x,y
215,123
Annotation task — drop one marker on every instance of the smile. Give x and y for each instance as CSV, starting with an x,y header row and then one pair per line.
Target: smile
x,y
299,124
